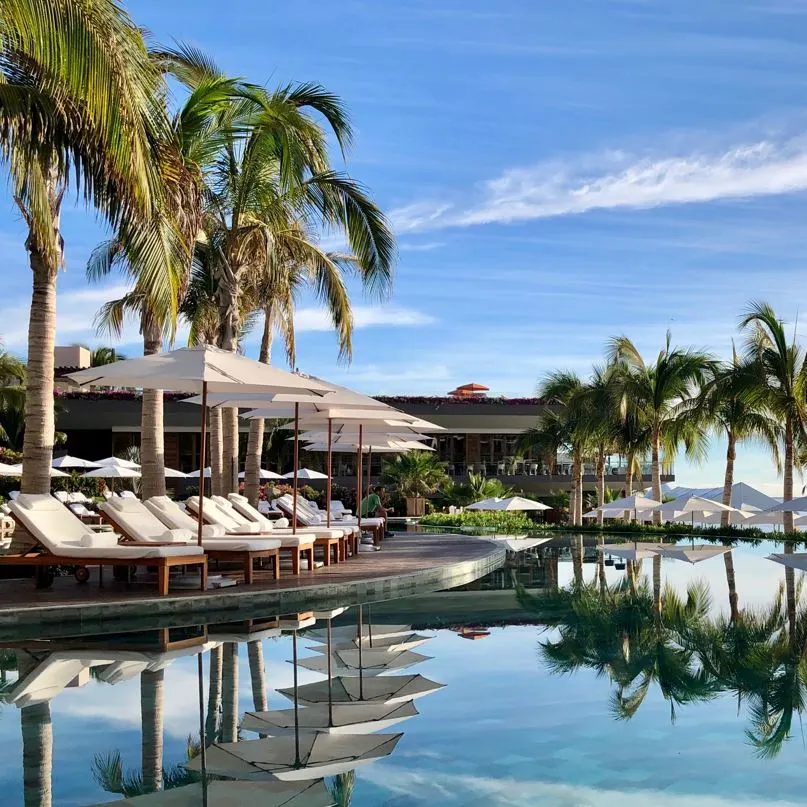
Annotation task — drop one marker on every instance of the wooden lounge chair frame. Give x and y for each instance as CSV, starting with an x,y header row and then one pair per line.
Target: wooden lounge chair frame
x,y
245,557
41,558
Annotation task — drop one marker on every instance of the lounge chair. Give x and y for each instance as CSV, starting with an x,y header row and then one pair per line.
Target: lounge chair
x,y
294,545
239,506
311,518
139,523
61,539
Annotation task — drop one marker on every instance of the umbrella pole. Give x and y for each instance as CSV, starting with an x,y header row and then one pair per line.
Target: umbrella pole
x,y
370,625
358,480
296,702
369,465
202,460
330,680
361,642
328,488
202,739
296,466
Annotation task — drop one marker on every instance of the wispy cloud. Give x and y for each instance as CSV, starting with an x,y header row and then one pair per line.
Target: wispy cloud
x,y
317,319
620,180
413,246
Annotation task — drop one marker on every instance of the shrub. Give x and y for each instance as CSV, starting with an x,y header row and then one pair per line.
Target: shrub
x,y
483,519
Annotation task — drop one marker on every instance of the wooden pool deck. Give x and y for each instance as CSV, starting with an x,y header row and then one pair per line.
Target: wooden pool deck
x,y
408,564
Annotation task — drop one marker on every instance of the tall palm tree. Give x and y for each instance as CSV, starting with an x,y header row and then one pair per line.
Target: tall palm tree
x,y
213,717
263,185
661,392
79,98
257,673
782,373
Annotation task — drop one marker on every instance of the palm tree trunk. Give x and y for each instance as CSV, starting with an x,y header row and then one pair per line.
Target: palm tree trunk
x,y
229,693
728,480
787,489
600,485
657,583
151,722
790,593
656,472
601,566
40,424
152,445
629,474
257,673
577,558
213,719
630,568
579,514
731,581
37,754
229,429
216,454
573,495
255,441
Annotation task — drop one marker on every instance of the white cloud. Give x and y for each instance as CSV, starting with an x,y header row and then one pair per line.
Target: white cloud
x,y
619,180
317,319
409,246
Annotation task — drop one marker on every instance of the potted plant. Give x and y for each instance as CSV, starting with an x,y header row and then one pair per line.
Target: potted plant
x,y
415,475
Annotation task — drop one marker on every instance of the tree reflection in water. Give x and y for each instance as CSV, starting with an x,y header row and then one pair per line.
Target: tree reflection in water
x,y
642,637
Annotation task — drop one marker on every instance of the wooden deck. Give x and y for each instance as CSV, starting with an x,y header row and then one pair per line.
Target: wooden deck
x,y
407,564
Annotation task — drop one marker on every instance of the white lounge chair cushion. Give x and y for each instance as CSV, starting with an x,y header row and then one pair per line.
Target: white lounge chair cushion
x,y
100,540
125,505
280,523
300,539
249,528
233,544
177,537
170,513
41,503
213,531
62,496
213,513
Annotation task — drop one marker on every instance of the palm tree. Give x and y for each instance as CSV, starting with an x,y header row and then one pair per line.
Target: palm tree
x,y
782,387
213,717
79,97
661,392
476,488
152,719
567,391
37,754
547,438
257,673
262,187
415,474
341,788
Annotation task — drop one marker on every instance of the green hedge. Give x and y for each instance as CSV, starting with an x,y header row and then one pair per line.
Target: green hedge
x,y
500,521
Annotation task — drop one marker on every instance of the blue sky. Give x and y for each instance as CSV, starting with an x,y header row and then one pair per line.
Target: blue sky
x,y
557,173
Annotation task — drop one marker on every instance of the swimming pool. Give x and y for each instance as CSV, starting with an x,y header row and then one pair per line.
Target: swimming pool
x,y
565,699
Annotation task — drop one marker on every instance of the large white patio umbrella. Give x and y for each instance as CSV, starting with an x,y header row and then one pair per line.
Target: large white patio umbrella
x,y
631,551
510,504
202,369
373,662
173,473
10,470
263,473
16,470
390,644
696,507
75,463
274,758
235,794
637,502
195,474
113,472
693,554
796,560
387,689
117,462
304,473
484,504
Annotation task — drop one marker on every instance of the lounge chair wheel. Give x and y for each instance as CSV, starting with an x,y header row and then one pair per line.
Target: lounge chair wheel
x,y
44,576
82,574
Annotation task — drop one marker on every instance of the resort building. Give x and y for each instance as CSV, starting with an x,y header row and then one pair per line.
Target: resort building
x,y
481,433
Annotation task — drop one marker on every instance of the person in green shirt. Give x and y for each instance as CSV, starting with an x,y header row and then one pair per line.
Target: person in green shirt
x,y
372,507
370,504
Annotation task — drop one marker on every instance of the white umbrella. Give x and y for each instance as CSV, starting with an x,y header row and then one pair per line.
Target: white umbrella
x,y
484,504
511,504
54,472
380,689
10,470
72,462
368,631
117,462
363,661
798,505
343,718
635,551
637,502
235,794
392,644
113,472
693,554
694,506
195,474
305,473
796,560
202,369
172,473
316,755
767,517
263,474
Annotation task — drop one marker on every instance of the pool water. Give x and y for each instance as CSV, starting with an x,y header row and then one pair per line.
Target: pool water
x,y
506,729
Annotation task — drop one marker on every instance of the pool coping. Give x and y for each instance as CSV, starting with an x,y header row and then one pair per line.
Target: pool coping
x,y
239,602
